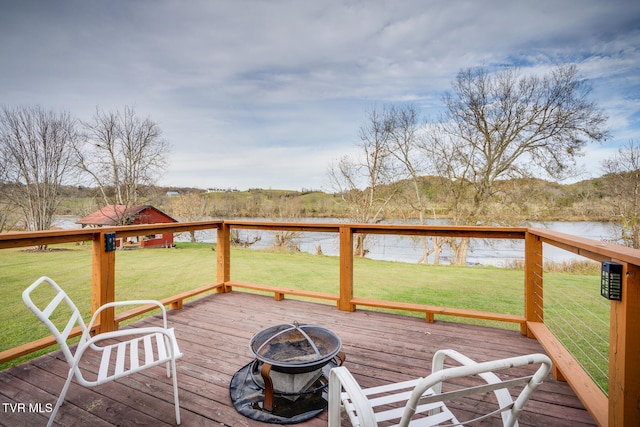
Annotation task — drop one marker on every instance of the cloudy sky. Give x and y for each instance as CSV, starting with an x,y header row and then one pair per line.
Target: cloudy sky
x,y
269,93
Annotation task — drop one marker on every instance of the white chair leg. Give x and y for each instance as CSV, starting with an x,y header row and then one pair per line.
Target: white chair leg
x,y
167,345
60,400
169,348
176,400
335,388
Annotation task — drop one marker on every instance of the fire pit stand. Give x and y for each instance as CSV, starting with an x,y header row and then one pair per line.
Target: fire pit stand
x,y
287,381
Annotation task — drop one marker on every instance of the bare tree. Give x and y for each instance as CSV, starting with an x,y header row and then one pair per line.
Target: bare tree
x,y
189,207
366,185
505,125
404,140
288,209
622,181
287,240
6,207
122,155
36,151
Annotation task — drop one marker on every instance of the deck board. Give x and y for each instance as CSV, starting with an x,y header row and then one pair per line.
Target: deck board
x,y
214,334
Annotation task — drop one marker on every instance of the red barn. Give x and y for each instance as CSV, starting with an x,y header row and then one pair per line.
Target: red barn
x,y
112,215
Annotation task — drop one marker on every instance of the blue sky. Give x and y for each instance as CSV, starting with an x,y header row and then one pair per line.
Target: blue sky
x,y
269,93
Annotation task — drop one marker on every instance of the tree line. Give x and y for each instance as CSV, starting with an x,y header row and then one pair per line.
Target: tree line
x,y
117,152
501,143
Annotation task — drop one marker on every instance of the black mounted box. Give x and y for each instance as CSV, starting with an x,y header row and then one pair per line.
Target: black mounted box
x,y
109,242
611,281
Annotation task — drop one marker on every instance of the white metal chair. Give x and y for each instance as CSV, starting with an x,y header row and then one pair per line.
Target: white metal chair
x,y
142,349
420,402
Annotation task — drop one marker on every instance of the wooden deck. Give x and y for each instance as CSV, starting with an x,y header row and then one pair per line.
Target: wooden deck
x,y
214,332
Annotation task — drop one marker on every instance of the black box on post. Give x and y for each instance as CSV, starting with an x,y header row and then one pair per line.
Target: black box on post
x,y
611,281
109,242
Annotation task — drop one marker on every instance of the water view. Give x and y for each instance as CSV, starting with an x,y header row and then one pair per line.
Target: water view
x,y
407,249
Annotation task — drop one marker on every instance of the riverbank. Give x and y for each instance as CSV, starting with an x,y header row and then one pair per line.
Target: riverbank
x,y
497,253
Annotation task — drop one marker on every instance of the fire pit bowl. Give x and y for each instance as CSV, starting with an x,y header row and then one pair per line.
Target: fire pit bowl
x,y
295,348
286,383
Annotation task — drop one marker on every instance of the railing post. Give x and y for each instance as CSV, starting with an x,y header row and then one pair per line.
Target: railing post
x,y
533,282
346,269
624,348
223,251
103,279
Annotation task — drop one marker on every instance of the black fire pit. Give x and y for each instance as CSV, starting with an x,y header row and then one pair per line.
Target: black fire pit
x,y
287,381
295,348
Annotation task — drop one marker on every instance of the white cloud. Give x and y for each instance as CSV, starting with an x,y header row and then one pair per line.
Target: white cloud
x,y
246,85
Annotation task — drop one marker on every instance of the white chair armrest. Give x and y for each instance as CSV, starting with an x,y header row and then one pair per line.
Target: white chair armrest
x,y
486,374
494,365
470,367
131,302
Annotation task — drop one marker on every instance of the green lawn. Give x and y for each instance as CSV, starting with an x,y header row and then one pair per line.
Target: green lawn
x,y
574,309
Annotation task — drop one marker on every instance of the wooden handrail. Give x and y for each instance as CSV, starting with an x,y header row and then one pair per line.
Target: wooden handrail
x,y
21,239
588,248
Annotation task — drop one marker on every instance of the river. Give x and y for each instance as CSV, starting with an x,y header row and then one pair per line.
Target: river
x,y
406,249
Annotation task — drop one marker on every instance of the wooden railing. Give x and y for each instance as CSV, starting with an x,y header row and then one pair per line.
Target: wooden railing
x,y
620,408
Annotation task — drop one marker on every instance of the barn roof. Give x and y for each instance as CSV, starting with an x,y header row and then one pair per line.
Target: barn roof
x,y
124,215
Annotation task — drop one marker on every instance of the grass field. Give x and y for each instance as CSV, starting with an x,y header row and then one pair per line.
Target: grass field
x,y
573,307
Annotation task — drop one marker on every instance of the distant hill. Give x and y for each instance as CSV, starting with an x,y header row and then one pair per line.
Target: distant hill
x,y
518,199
